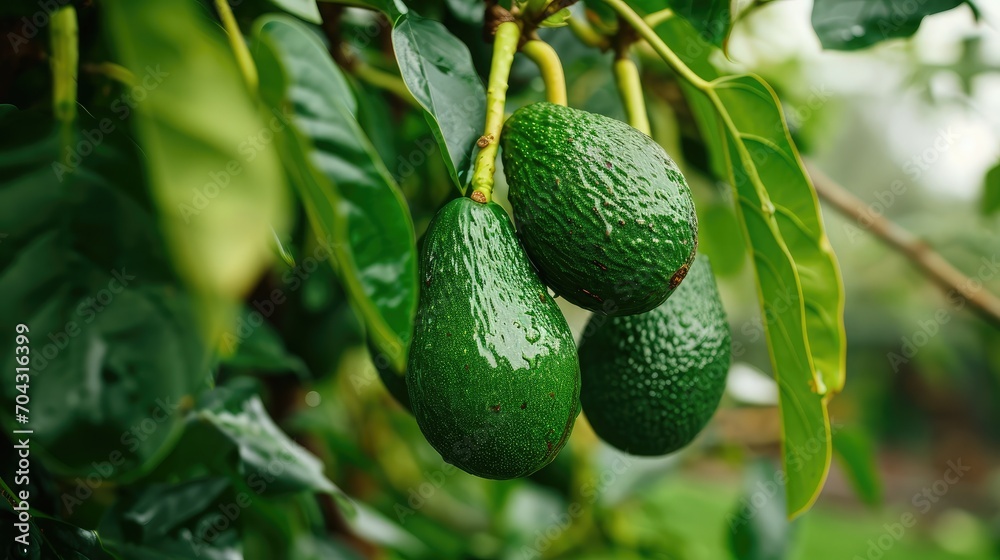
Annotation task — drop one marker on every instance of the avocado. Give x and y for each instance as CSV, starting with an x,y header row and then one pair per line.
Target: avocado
x,y
652,381
493,376
603,212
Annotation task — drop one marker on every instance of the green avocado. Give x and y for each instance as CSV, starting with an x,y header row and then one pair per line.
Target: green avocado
x,y
652,381
493,376
603,212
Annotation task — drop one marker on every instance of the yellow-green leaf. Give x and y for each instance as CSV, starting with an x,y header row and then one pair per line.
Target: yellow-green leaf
x,y
798,278
213,169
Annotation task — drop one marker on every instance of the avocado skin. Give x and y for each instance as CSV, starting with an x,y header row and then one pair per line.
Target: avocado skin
x,y
652,381
603,212
493,376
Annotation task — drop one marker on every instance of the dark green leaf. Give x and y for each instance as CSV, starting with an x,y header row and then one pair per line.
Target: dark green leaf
x,y
114,351
352,200
194,519
859,24
219,206
857,457
49,538
438,71
991,192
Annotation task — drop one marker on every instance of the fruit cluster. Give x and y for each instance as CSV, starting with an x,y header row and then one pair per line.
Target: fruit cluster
x,y
606,220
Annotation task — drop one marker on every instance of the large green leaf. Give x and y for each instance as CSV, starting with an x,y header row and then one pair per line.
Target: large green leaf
x,y
210,155
352,200
798,278
857,24
304,9
250,447
111,339
991,192
438,71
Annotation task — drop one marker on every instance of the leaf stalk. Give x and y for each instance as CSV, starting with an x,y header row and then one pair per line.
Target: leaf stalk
x,y
504,46
547,60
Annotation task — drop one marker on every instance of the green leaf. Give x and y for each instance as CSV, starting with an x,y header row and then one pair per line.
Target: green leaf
x,y
759,528
438,71
192,519
304,9
51,538
712,19
991,192
861,23
352,201
856,452
247,447
798,278
210,155
84,268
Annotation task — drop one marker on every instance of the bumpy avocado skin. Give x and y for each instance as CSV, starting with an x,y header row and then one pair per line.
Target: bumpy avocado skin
x,y
603,212
493,376
652,381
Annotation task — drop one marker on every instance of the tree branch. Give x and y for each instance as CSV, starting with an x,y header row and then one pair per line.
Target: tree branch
x,y
932,264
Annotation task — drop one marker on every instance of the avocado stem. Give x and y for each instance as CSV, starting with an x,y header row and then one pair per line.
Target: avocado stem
x,y
504,46
646,32
547,60
64,62
238,44
587,34
630,88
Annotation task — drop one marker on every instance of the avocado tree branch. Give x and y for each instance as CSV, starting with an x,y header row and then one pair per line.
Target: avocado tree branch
x,y
237,43
628,81
630,88
629,16
504,46
547,60
932,264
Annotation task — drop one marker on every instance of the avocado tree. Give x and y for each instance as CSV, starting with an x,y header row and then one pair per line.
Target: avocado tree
x,y
207,208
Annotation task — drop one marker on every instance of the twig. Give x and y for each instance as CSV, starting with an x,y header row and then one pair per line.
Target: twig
x,y
547,60
932,264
